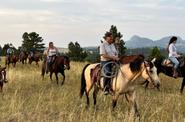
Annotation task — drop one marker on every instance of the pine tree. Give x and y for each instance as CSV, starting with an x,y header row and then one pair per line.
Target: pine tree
x,y
156,53
76,53
32,40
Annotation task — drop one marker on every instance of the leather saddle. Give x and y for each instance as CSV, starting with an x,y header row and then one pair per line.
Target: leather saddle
x,y
96,74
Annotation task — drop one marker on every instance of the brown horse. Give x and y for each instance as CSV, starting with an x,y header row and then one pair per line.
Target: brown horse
x,y
11,59
2,77
59,65
36,57
23,57
123,82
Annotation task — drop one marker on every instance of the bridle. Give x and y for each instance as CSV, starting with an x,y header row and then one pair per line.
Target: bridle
x,y
152,80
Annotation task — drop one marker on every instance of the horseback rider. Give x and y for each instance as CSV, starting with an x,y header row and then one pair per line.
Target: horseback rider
x,y
51,54
173,55
108,53
10,52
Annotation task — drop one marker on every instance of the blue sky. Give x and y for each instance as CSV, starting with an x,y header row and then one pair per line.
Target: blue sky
x,y
85,21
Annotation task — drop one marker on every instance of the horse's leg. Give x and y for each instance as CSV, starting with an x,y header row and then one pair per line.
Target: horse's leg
x,y
114,100
95,95
51,73
64,77
43,72
87,97
1,85
131,97
182,86
56,75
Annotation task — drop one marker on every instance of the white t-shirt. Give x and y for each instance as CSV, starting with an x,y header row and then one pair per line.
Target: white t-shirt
x,y
109,49
172,50
52,52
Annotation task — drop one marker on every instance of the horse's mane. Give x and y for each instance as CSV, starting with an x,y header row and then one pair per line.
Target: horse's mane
x,y
128,58
135,65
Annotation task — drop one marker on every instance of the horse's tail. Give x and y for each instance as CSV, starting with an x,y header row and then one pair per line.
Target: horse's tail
x,y
83,81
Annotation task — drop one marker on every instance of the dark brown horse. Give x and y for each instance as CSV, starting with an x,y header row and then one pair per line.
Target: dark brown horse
x,y
2,77
11,59
36,58
59,65
167,70
23,57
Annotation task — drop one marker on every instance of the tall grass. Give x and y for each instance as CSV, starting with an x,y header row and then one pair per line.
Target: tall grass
x,y
26,97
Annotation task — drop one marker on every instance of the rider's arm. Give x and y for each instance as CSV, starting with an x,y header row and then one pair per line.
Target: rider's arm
x,y
108,57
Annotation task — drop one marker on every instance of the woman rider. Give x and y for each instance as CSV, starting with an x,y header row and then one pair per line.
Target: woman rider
x,y
51,53
173,55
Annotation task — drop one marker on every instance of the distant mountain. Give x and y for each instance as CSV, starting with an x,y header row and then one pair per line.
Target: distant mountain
x,y
140,42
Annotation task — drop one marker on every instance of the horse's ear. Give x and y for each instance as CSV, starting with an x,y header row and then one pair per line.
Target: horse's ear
x,y
153,60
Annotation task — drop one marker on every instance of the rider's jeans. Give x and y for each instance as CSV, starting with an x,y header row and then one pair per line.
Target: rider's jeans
x,y
107,71
175,61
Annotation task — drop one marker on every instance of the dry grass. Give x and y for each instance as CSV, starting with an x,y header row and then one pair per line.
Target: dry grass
x,y
27,97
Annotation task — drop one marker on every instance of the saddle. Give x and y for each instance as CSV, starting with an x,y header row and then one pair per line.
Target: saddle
x,y
169,63
95,74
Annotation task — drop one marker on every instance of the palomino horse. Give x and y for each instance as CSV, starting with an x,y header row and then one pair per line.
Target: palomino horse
x,y
2,77
168,70
36,57
59,65
23,57
123,82
11,59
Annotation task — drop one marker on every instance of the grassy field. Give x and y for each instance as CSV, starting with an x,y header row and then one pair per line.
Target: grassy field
x,y
26,97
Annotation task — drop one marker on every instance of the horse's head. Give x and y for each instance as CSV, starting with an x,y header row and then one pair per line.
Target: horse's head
x,y
3,74
67,62
150,73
